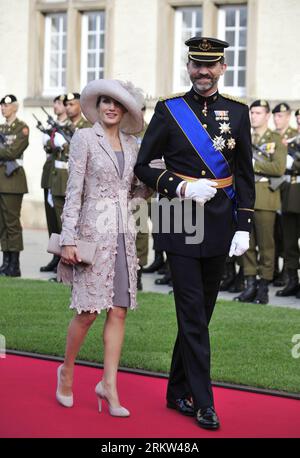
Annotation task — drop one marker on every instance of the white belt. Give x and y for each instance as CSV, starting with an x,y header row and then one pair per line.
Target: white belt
x,y
61,165
19,162
263,180
292,179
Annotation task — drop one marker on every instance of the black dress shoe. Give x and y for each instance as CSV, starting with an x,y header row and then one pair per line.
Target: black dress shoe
x,y
165,280
51,266
207,418
156,264
182,405
250,290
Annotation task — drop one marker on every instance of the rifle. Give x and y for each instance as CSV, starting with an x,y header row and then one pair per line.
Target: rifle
x,y
10,166
258,154
40,126
293,145
66,133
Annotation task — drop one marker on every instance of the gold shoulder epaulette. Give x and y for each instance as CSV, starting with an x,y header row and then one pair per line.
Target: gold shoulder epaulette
x,y
235,99
172,96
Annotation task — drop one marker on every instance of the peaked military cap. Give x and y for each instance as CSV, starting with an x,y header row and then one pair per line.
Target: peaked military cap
x,y
204,49
260,103
61,97
281,108
8,99
297,112
71,96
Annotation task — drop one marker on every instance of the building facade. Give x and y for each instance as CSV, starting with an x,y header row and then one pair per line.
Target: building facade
x,y
51,47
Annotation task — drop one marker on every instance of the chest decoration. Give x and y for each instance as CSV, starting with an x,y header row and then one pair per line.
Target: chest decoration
x,y
221,115
231,143
219,142
268,148
225,128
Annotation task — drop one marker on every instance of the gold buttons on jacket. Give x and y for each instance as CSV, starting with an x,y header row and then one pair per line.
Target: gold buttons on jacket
x,y
205,126
165,191
171,179
203,173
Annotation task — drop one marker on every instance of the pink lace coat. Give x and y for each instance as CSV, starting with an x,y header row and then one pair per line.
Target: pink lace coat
x,y
95,193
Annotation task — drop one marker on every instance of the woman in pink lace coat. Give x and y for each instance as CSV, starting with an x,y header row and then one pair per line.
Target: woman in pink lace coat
x,y
96,209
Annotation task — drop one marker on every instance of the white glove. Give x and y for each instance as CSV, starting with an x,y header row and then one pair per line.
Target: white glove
x,y
50,199
59,140
45,139
201,190
289,162
240,243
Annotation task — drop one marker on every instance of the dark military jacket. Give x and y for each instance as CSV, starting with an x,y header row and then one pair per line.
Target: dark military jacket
x,y
59,176
15,143
271,166
290,191
227,123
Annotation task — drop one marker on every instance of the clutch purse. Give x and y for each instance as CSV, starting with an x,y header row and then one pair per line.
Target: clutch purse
x,y
86,250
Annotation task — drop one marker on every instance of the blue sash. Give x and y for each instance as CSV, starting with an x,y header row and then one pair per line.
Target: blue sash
x,y
200,140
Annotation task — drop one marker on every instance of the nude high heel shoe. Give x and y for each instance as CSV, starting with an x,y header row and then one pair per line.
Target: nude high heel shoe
x,y
66,401
114,411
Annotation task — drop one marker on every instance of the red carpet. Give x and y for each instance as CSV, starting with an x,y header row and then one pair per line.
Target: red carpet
x,y
29,408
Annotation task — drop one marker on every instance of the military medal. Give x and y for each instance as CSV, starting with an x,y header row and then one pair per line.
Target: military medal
x,y
231,143
225,128
221,115
219,143
204,111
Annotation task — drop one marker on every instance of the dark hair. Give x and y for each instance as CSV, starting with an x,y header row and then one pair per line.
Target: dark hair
x,y
98,101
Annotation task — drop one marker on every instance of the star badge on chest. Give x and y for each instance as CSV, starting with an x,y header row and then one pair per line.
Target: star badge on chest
x,y
225,128
231,143
219,143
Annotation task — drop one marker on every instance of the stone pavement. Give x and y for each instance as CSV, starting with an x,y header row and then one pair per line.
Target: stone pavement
x,y
35,255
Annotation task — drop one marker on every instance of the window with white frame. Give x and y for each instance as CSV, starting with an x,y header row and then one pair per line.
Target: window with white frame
x,y
188,23
232,24
55,54
92,46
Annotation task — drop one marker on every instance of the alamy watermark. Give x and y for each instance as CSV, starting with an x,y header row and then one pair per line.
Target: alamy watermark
x,y
168,216
296,348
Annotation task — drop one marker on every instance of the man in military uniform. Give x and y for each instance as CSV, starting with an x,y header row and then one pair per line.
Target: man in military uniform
x,y
13,185
51,216
281,116
290,195
205,140
59,176
270,159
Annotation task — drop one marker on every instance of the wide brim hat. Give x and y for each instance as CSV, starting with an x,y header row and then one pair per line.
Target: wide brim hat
x,y
132,121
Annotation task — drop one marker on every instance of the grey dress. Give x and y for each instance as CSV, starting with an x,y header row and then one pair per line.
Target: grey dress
x,y
121,279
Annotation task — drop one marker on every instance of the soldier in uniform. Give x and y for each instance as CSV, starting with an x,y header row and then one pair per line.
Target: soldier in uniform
x,y
51,217
13,185
205,140
281,117
290,194
269,162
59,176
